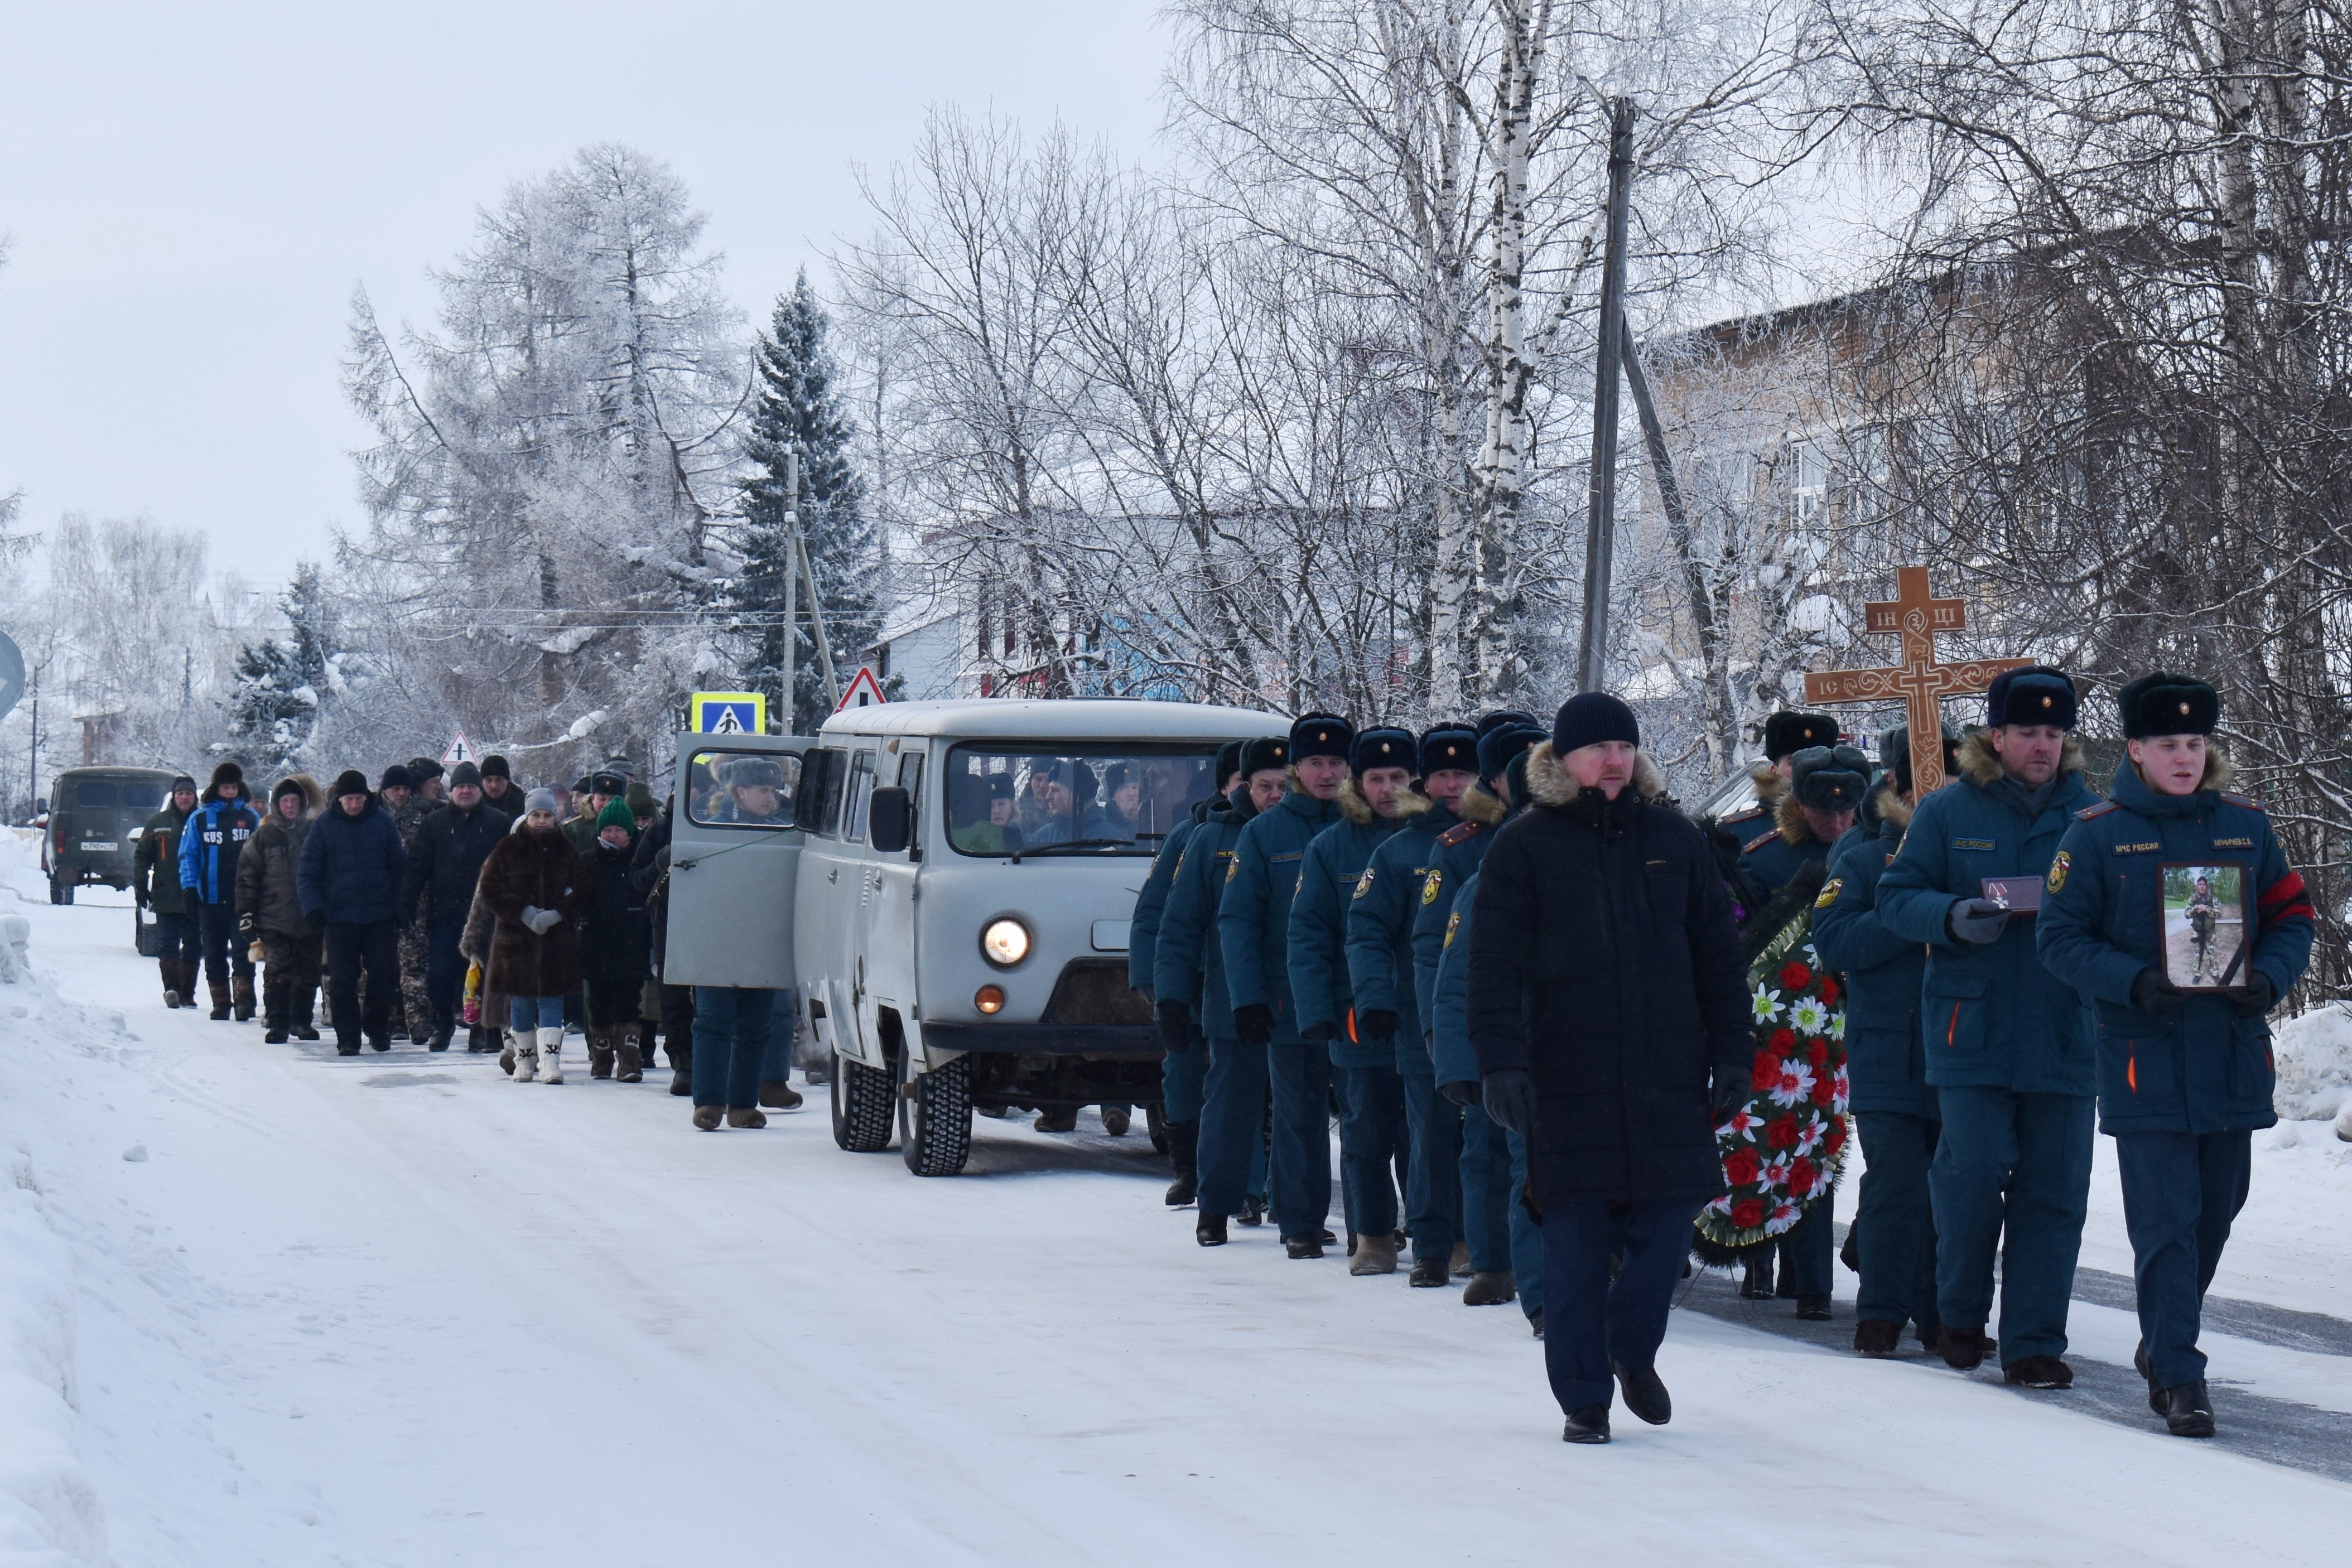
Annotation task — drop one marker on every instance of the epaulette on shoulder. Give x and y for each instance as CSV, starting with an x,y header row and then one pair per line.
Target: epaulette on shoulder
x,y
2100,809
1757,842
2248,801
1459,833
1753,814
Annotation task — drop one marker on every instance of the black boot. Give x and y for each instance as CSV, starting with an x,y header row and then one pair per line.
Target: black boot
x,y
1184,1154
305,1010
1756,1282
1209,1230
1587,1423
1814,1309
242,989
2187,1411
1645,1394
1430,1273
1302,1246
2147,1370
220,999
277,1003
681,1064
1253,1211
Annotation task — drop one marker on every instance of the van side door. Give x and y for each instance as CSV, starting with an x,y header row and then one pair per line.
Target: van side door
x,y
734,859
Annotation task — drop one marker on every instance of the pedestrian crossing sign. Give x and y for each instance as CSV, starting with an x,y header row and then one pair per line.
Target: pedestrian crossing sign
x,y
728,713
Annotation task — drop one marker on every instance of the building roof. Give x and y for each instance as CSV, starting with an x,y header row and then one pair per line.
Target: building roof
x,y
1068,718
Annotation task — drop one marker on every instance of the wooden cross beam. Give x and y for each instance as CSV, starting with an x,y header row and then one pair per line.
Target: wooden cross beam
x,y
1919,683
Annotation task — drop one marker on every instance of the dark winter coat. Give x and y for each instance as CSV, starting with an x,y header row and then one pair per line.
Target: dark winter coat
x,y
1189,964
1152,899
210,844
614,946
544,870
1380,931
649,876
445,860
269,887
155,863
1994,1015
1330,879
1451,858
1254,917
350,866
1887,1057
1605,963
1770,861
1450,1055
511,807
2198,1068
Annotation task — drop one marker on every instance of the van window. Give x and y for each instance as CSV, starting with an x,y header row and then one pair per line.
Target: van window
x,y
89,795
910,780
826,795
742,789
860,791
1107,796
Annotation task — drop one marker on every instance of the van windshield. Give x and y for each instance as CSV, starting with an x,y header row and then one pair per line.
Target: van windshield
x,y
1107,797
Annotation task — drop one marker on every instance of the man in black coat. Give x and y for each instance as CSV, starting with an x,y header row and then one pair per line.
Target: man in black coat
x,y
1608,1008
444,860
349,882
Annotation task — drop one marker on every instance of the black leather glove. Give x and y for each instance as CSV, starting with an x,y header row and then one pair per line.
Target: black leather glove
x,y
1254,1023
139,896
2259,996
1976,922
1465,1094
1378,1023
1317,1032
1176,1027
1732,1089
247,926
1509,1096
2152,993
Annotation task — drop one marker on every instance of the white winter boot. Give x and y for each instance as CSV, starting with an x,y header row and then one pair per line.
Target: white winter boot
x,y
551,1055
524,1043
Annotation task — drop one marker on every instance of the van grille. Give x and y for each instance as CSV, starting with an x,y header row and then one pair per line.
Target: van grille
x,y
1095,991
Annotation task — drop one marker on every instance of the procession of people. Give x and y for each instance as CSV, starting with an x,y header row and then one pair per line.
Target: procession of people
x,y
1563,1028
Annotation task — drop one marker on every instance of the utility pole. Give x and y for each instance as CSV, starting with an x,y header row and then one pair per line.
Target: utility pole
x,y
1600,513
791,591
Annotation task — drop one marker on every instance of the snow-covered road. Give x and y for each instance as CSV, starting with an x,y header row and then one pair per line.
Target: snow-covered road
x,y
398,1310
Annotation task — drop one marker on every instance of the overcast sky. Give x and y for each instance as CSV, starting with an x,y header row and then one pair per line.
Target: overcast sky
x,y
193,192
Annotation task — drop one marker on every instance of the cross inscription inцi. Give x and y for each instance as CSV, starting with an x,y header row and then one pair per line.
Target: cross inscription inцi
x,y
1919,683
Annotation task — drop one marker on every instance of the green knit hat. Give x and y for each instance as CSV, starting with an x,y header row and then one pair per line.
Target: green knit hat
x,y
616,814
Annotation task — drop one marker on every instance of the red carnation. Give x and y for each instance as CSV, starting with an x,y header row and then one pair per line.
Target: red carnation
x,y
1747,1213
1795,975
1766,1071
1781,1132
1824,1092
1784,1039
1801,1177
1829,991
1834,1139
1739,1170
1818,1052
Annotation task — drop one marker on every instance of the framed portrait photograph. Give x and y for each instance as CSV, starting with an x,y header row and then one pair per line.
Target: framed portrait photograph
x,y
2204,924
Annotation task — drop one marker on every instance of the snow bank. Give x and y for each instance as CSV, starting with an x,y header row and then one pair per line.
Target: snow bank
x,y
2314,1064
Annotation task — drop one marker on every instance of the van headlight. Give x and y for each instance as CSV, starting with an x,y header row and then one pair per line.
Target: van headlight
x,y
1004,942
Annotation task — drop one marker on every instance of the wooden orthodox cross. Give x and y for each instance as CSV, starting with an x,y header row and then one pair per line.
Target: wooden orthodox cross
x,y
1919,683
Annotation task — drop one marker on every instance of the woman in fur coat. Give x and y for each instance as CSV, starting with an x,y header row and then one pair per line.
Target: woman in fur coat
x,y
536,888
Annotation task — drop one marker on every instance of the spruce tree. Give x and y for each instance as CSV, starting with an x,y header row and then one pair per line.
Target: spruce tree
x,y
276,693
798,409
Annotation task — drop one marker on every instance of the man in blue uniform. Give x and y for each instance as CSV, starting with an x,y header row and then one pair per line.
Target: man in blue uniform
x,y
1439,1125
1188,976
1893,1105
1375,802
2006,1043
1253,928
1180,1071
2184,1071
1786,733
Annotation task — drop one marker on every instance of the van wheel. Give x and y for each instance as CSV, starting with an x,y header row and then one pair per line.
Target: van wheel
x,y
861,1106
1156,1123
60,892
935,1120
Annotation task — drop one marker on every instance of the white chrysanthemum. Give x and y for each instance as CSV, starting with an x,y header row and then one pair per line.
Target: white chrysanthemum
x,y
1795,1084
1809,1015
1766,1005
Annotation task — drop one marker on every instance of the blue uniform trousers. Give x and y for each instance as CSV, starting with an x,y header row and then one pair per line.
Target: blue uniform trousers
x,y
1808,1249
1299,1176
1488,1195
1897,1221
1527,1235
1234,1097
2013,1175
1371,1129
1591,1320
1181,1075
1433,1196
180,935
2181,1190
783,1024
732,1025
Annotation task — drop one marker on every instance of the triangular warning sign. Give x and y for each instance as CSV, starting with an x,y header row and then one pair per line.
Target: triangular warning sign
x,y
864,691
729,722
460,750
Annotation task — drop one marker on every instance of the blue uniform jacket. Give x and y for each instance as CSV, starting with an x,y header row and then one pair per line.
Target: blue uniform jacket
x,y
1379,933
1450,1051
1993,1016
1330,879
1885,1058
1772,857
1453,858
1152,899
2198,1068
1254,917
1187,966
209,846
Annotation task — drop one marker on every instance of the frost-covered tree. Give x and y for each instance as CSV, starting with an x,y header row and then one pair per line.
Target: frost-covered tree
x,y
550,462
798,409
275,697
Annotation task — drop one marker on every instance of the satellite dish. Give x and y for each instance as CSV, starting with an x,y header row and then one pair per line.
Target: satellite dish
x,y
12,674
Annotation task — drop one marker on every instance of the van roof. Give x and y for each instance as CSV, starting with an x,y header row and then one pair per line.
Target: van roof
x,y
1063,718
108,771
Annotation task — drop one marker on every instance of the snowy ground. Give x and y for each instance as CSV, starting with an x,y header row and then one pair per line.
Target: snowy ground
x,y
398,1310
